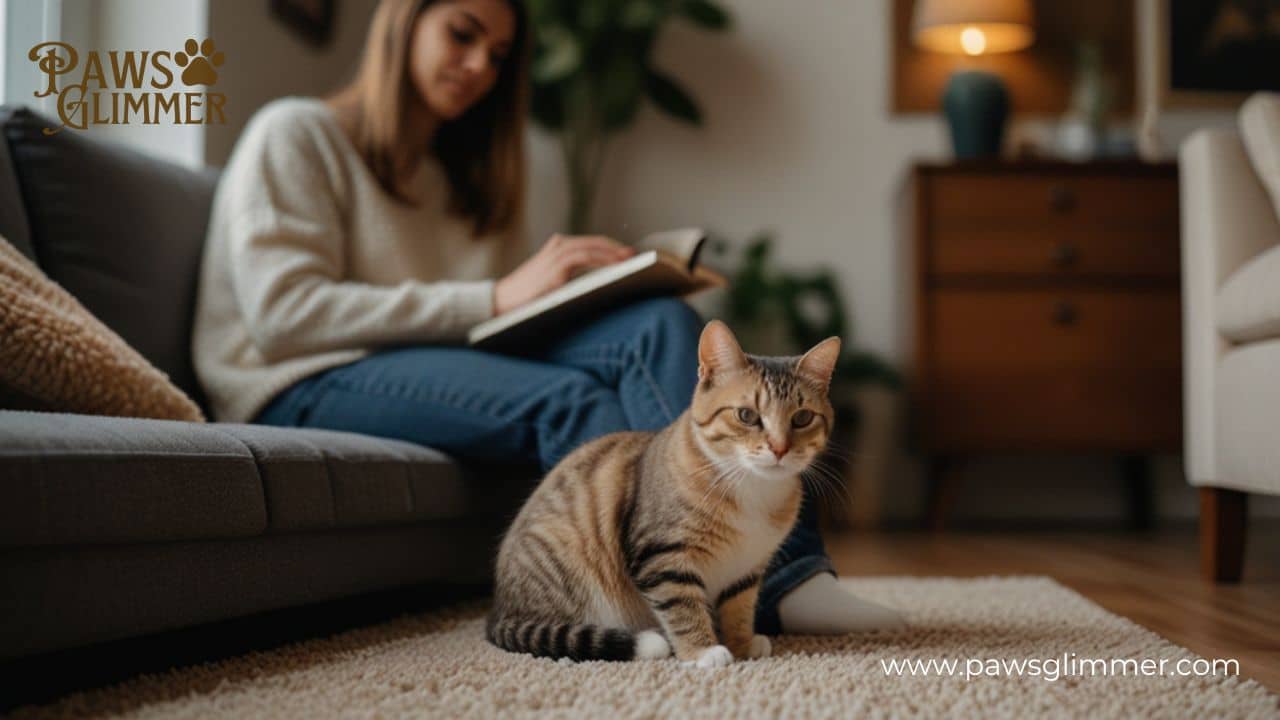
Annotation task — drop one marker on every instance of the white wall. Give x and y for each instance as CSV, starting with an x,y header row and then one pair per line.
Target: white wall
x,y
797,139
4,25
103,25
25,24
106,25
265,60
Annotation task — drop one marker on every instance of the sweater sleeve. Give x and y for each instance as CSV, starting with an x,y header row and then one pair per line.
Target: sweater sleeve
x,y
287,260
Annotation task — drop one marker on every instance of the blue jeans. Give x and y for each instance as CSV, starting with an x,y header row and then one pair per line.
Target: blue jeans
x,y
631,369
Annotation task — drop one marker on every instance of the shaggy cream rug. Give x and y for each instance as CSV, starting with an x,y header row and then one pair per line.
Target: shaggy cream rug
x,y
438,665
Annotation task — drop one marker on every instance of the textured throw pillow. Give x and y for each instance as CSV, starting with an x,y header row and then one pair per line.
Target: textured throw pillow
x,y
1260,131
53,352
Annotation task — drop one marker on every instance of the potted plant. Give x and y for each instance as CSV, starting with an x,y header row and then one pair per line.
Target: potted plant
x,y
592,70
788,312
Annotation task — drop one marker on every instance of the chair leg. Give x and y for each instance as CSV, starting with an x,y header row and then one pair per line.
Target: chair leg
x,y
1223,516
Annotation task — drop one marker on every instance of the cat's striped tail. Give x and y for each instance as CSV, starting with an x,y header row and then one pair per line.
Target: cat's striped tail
x,y
578,642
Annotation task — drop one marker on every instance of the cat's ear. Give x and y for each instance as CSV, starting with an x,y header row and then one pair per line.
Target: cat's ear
x,y
718,351
819,363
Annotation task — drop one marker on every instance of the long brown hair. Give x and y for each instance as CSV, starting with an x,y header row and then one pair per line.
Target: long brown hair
x,y
482,151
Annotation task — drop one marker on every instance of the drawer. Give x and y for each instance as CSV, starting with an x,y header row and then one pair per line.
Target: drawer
x,y
1151,252
1054,225
1054,412
1030,200
1037,369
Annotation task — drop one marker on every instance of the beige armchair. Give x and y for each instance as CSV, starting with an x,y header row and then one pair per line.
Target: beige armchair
x,y
1231,326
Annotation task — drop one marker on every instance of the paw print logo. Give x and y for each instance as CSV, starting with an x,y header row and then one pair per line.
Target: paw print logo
x,y
200,61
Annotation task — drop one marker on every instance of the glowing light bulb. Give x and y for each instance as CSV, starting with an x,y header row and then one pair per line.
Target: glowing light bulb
x,y
973,41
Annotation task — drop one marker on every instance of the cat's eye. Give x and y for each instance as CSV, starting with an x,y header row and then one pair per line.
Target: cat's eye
x,y
747,416
801,418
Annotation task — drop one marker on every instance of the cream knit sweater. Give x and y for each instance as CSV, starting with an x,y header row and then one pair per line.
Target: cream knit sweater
x,y
309,264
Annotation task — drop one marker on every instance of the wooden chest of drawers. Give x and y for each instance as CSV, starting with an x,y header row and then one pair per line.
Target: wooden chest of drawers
x,y
1047,308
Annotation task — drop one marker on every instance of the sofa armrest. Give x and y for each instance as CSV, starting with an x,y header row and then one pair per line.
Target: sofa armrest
x,y
1227,219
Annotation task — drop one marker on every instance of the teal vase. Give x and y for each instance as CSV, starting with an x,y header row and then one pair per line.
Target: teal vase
x,y
977,105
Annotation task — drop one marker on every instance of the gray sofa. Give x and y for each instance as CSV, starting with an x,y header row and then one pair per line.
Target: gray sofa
x,y
115,528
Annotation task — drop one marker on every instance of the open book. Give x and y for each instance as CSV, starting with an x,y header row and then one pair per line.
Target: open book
x,y
665,263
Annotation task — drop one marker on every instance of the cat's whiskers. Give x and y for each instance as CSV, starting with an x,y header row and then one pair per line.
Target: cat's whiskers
x,y
819,489
838,470
813,483
711,486
721,466
838,450
732,483
827,482
722,463
849,453
826,470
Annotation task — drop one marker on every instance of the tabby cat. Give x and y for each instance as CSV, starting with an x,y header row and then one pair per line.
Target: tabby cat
x,y
640,543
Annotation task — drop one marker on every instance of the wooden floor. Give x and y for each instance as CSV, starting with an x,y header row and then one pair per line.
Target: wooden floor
x,y
1151,578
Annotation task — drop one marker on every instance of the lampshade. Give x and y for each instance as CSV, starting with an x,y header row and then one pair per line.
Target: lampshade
x,y
972,27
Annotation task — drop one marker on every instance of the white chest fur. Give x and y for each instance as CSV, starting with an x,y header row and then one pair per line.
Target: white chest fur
x,y
760,539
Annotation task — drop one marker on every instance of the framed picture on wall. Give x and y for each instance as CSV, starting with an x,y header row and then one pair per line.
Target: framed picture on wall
x,y
310,19
1217,52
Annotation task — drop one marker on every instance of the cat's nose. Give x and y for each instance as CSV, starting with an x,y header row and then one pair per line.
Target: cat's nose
x,y
779,451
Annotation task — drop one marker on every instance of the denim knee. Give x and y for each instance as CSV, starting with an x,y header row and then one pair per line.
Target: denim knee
x,y
586,410
673,315
666,325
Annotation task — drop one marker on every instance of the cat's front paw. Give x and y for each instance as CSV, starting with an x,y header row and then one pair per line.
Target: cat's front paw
x,y
760,647
713,657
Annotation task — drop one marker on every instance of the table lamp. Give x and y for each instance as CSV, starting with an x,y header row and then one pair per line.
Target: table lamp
x,y
975,101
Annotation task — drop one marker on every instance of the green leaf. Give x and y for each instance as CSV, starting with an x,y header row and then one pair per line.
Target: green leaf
x,y
672,99
593,16
620,88
807,295
560,55
640,15
863,368
547,12
705,14
547,106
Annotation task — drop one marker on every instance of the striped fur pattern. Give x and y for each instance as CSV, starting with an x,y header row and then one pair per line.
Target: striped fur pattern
x,y
644,544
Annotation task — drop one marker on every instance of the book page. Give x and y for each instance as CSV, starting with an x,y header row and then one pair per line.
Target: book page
x,y
683,244
646,275
666,267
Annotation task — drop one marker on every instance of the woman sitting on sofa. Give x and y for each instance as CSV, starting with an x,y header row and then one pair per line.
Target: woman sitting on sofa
x,y
354,240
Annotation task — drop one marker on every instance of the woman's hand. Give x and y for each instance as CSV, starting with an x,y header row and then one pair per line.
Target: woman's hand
x,y
553,265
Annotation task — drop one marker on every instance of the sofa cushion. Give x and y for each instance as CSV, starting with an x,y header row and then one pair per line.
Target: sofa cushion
x,y
71,479
120,230
1260,130
53,351
1248,307
322,479
13,216
87,479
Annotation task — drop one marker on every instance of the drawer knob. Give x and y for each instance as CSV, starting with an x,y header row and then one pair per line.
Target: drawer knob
x,y
1061,198
1065,254
1064,313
